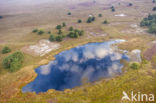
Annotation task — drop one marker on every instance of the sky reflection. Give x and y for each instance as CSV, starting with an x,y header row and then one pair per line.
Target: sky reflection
x,y
89,62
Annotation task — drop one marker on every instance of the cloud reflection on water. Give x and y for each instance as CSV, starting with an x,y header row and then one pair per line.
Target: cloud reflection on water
x,y
91,61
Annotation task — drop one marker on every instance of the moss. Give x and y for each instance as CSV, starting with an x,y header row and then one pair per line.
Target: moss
x,y
134,65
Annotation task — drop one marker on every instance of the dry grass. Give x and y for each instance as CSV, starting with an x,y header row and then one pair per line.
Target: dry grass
x,y
16,33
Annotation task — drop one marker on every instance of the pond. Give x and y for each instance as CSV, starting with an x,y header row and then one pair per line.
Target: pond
x,y
72,68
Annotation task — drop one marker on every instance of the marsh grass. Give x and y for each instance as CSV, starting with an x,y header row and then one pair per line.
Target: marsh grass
x,y
102,91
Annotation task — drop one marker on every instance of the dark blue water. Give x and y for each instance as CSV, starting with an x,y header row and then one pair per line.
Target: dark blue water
x,y
71,68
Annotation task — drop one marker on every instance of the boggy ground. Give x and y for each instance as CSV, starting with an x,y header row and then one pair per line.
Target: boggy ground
x,y
19,20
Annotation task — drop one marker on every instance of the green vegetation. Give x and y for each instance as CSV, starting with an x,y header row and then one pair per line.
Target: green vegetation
x,y
100,15
154,9
79,21
52,38
14,61
75,33
6,50
49,32
58,27
69,13
71,28
149,22
113,9
102,91
90,19
134,65
130,4
59,38
152,28
105,22
40,32
35,30
63,24
59,31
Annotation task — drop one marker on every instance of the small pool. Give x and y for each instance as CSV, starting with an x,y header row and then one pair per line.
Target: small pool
x,y
72,68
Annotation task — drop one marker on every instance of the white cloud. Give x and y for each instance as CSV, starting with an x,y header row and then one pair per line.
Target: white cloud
x,y
71,55
75,57
116,56
45,70
115,68
89,54
75,68
64,67
87,73
102,52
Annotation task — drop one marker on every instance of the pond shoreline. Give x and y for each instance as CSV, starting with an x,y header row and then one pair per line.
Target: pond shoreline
x,y
111,42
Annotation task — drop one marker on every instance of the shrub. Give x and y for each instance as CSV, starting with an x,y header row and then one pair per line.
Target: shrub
x,y
142,23
149,22
81,33
58,27
40,32
152,29
14,61
134,65
76,33
6,50
113,9
130,4
79,21
35,30
60,31
100,15
105,22
59,38
71,28
69,13
71,34
49,32
93,18
150,17
52,38
90,19
154,8
63,24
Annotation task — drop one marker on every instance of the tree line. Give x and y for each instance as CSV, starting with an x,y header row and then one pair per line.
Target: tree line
x,y
150,23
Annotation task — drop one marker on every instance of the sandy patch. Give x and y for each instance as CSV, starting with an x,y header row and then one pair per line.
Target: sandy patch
x,y
134,28
97,34
135,55
120,15
154,42
94,33
87,4
41,48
